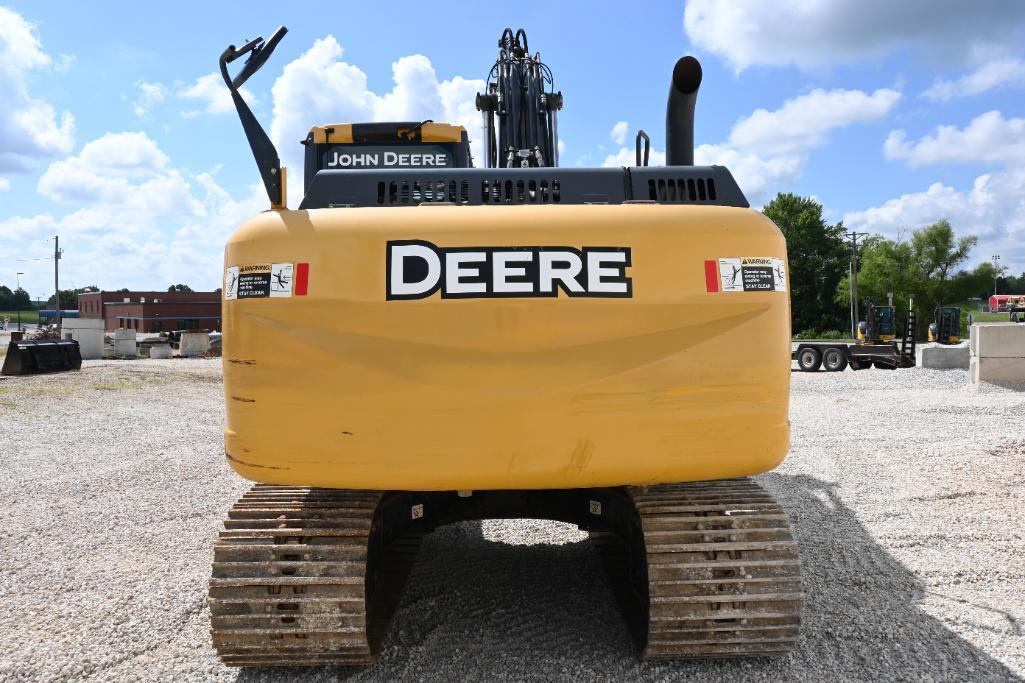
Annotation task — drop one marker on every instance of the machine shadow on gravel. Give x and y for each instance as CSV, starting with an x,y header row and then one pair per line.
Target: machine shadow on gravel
x,y
476,609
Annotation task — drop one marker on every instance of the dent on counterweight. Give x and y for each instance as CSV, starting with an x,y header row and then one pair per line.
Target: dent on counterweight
x,y
251,464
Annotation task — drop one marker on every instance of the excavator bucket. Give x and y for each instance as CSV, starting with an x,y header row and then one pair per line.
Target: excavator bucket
x,y
31,357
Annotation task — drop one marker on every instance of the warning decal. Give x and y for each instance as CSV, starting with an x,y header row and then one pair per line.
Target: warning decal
x,y
231,283
266,280
747,274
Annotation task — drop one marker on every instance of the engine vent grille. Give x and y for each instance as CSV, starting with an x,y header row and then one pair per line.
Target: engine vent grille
x,y
486,191
681,189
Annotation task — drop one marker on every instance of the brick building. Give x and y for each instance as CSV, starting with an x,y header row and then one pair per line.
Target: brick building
x,y
153,311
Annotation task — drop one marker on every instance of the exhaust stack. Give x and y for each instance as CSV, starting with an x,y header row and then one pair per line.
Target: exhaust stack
x,y
683,93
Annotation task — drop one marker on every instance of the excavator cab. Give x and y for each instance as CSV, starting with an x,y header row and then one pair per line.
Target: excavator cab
x,y
879,326
946,324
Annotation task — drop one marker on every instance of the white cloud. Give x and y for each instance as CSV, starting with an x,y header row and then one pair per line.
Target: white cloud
x,y
815,33
319,88
993,208
767,150
29,127
990,76
619,132
989,138
133,219
803,122
212,95
106,170
5,185
148,95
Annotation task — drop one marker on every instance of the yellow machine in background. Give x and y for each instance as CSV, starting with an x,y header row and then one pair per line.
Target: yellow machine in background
x,y
879,326
424,342
946,325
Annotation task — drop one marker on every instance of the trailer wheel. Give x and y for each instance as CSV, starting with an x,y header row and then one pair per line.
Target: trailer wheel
x,y
834,360
809,359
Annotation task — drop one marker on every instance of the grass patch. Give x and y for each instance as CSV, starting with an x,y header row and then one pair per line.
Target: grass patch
x,y
123,383
31,317
989,317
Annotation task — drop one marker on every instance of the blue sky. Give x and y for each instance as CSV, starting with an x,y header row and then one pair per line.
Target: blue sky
x,y
116,136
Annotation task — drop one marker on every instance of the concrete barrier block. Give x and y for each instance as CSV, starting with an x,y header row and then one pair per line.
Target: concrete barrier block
x,y
940,357
997,370
998,340
70,324
160,351
193,344
124,343
90,341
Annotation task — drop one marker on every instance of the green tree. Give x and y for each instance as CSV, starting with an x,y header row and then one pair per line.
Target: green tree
x,y
69,297
818,262
179,288
926,268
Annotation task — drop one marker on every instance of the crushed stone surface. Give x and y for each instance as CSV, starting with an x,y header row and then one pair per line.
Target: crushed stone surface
x,y
906,490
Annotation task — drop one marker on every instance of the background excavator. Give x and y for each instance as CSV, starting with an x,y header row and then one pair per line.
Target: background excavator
x,y
945,327
879,325
515,341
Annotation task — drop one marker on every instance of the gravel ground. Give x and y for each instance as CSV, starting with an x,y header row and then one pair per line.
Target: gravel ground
x,y
905,488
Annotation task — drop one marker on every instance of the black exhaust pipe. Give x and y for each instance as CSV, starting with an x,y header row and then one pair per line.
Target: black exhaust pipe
x,y
683,93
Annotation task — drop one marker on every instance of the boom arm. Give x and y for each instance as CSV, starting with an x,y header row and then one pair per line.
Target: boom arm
x,y
520,116
266,155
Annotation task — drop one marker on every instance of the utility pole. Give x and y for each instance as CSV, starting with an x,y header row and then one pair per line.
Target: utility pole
x,y
18,289
56,282
996,271
853,237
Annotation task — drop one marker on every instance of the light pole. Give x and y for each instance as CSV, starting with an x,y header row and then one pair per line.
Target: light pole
x,y
18,289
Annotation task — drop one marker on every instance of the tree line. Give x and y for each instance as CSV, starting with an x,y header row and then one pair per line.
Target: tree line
x,y
926,265
19,300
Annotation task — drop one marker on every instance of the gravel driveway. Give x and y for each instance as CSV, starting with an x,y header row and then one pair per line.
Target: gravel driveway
x,y
906,490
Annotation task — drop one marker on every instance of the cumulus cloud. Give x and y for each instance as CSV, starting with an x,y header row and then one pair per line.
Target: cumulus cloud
x,y
147,96
132,220
619,132
212,96
319,88
768,149
30,129
804,122
999,73
992,208
816,33
989,138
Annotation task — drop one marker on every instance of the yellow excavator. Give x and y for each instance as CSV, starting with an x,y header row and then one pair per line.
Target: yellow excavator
x,y
423,342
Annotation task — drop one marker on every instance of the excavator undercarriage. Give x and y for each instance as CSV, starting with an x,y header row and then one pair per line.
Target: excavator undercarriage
x,y
305,577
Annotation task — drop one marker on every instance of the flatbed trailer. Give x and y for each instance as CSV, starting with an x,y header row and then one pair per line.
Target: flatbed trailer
x,y
835,356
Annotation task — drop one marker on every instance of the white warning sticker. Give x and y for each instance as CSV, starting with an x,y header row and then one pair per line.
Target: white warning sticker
x,y
752,274
281,279
259,281
231,283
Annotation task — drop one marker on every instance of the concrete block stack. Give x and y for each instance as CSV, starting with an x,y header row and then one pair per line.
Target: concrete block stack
x,y
88,332
193,344
944,357
160,351
124,343
997,352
